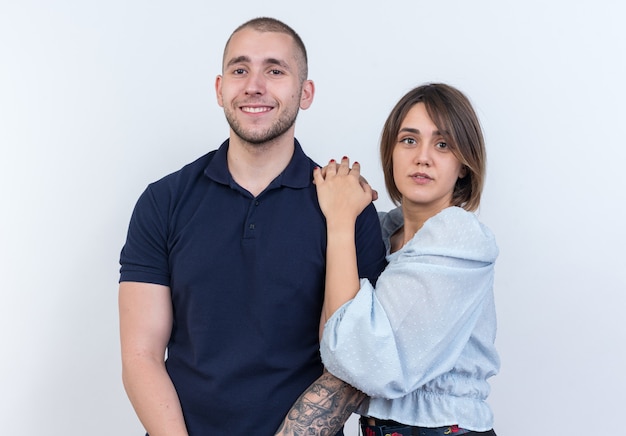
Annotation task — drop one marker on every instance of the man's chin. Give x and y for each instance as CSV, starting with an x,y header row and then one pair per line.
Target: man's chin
x,y
260,138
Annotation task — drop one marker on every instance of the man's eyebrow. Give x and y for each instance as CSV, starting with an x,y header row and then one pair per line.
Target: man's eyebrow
x,y
272,61
238,60
268,61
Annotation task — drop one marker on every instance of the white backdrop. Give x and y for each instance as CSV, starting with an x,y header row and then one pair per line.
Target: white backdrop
x,y
99,98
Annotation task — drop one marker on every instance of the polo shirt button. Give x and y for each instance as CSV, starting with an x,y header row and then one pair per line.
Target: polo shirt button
x,y
251,227
256,203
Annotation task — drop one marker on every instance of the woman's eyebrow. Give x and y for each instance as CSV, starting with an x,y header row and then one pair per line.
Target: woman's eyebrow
x,y
410,130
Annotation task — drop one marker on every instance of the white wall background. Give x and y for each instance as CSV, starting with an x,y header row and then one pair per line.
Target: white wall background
x,y
99,98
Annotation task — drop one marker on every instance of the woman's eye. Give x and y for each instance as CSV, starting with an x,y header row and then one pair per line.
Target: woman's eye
x,y
409,141
442,145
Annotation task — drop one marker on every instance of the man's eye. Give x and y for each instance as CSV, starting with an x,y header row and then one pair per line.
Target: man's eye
x,y
239,71
276,72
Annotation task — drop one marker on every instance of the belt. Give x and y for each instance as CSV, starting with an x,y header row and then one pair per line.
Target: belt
x,y
392,428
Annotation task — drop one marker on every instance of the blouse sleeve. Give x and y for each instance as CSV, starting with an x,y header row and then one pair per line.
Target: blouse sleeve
x,y
413,326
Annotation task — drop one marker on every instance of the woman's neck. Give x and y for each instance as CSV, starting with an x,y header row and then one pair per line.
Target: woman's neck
x,y
414,219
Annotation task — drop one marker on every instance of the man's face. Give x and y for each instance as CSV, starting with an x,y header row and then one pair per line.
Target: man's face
x,y
260,89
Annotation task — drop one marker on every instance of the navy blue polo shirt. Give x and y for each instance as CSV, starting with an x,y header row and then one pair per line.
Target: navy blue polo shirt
x,y
247,279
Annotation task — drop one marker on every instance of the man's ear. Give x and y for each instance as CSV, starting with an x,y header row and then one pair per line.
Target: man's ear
x,y
218,90
308,92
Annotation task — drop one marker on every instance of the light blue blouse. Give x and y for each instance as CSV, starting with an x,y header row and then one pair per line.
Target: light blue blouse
x,y
421,344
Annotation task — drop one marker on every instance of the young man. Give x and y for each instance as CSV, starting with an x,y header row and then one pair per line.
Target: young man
x,y
224,262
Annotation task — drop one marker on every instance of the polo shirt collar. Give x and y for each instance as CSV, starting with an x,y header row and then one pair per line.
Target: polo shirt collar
x,y
297,174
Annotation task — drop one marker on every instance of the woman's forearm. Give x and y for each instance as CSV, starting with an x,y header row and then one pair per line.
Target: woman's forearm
x,y
322,409
342,197
342,275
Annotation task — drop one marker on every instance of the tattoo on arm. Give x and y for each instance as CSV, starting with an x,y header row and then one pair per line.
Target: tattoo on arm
x,y
322,409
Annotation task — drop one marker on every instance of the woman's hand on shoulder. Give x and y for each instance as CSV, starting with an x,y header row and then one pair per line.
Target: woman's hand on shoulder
x,y
341,190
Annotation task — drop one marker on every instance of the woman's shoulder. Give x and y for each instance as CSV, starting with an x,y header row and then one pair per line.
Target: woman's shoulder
x,y
394,216
455,220
458,232
390,222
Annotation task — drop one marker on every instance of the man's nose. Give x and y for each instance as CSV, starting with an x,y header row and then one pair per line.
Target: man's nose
x,y
255,83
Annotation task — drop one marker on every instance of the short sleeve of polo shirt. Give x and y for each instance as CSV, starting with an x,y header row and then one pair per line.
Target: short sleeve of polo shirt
x,y
144,256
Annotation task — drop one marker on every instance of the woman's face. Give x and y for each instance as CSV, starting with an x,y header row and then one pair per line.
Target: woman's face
x,y
425,170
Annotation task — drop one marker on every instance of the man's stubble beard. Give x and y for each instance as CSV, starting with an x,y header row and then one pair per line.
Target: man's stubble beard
x,y
277,129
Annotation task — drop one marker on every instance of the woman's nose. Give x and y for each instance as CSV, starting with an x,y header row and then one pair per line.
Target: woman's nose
x,y
422,155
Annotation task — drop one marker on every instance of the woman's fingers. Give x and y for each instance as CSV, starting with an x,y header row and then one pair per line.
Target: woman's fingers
x,y
344,166
330,169
341,168
318,175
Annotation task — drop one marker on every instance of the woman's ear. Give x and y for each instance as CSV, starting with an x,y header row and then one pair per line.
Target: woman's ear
x,y
463,171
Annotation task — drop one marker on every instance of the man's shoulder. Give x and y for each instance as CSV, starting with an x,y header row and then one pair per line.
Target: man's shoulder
x,y
183,175
195,167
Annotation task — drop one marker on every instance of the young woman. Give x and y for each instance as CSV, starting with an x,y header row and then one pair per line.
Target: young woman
x,y
420,344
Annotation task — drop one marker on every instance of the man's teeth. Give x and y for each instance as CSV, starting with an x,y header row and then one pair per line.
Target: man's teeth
x,y
255,109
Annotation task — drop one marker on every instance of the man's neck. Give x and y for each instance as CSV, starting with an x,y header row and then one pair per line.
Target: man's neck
x,y
254,166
